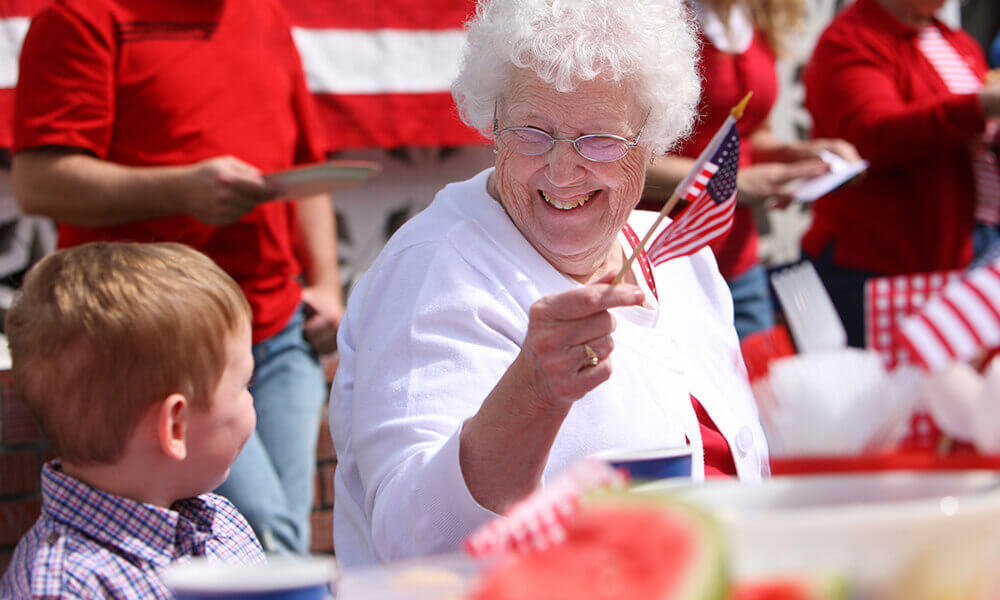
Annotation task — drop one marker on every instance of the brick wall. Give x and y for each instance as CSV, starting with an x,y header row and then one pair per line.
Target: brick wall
x,y
322,516
23,451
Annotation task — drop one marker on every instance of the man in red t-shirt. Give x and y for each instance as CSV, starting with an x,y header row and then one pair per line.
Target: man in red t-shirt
x,y
153,121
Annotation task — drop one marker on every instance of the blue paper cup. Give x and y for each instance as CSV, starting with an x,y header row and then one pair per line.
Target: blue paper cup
x,y
279,579
650,463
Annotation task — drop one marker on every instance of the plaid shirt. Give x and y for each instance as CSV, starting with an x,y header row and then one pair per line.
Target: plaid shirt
x,y
91,544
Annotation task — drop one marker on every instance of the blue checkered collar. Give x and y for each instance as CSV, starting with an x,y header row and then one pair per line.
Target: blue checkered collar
x,y
149,533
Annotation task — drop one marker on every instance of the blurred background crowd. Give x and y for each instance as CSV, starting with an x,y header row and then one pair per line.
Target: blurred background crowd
x,y
389,102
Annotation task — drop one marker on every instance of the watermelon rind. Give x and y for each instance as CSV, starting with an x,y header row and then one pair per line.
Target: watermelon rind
x,y
708,578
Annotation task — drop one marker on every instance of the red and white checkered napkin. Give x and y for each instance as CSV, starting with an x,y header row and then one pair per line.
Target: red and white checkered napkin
x,y
888,301
539,521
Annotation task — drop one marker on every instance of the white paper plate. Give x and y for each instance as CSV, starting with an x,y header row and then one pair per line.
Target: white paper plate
x,y
323,178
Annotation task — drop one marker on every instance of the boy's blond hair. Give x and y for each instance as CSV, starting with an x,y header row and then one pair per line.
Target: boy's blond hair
x,y
103,331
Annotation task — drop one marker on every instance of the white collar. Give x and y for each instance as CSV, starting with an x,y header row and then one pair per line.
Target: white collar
x,y
734,38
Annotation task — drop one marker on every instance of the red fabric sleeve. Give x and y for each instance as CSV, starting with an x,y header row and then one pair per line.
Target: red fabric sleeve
x,y
65,93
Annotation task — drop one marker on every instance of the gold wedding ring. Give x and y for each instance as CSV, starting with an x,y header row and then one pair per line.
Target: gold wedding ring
x,y
592,359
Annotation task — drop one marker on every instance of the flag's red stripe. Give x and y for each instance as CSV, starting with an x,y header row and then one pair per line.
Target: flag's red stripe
x,y
22,8
392,120
903,339
696,214
994,269
695,217
380,14
709,221
699,235
353,121
689,241
970,285
678,248
957,312
939,335
688,217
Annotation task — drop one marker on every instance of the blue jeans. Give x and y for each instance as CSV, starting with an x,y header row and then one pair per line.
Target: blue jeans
x,y
753,308
271,482
985,244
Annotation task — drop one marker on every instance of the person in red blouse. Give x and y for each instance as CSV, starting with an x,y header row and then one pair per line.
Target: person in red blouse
x,y
740,42
907,90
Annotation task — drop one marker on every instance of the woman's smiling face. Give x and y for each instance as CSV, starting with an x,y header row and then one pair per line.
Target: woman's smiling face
x,y
570,208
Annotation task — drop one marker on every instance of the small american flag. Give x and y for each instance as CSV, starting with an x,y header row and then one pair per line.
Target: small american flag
x,y
710,191
959,324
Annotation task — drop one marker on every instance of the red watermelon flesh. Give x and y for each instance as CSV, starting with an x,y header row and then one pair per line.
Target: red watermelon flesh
x,y
631,550
806,587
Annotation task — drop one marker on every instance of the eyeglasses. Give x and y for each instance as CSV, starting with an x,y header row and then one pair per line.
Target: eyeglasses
x,y
598,147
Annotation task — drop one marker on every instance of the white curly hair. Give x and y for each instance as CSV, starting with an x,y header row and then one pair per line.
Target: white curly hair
x,y
649,45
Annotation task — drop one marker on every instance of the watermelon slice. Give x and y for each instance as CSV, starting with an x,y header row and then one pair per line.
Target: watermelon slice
x,y
620,546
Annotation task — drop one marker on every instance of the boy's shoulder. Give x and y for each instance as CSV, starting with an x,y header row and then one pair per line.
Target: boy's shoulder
x,y
236,540
55,561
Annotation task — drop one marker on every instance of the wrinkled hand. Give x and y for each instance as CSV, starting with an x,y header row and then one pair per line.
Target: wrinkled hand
x,y
558,368
769,182
324,310
221,190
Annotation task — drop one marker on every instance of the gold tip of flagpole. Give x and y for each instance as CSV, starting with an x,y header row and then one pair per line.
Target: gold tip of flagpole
x,y
737,111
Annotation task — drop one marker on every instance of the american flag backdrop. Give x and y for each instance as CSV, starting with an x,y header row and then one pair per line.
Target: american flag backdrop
x,y
380,71
710,193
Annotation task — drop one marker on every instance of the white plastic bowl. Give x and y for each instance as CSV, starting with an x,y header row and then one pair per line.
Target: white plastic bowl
x,y
883,531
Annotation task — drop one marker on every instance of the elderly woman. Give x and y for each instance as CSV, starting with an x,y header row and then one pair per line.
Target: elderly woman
x,y
485,350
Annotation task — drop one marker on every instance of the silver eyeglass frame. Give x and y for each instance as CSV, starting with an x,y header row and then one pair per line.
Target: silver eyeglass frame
x,y
629,144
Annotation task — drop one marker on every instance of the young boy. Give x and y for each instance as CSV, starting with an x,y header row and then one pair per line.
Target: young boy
x,y
135,359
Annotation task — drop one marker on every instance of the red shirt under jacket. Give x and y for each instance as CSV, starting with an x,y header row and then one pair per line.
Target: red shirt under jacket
x,y
719,461
867,82
172,83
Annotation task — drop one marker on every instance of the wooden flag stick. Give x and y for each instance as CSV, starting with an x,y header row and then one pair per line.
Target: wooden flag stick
x,y
737,113
669,206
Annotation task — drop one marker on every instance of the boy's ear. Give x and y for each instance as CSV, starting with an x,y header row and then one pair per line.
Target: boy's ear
x,y
171,426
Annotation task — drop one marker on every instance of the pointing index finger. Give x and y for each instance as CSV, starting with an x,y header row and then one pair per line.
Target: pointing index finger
x,y
591,299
